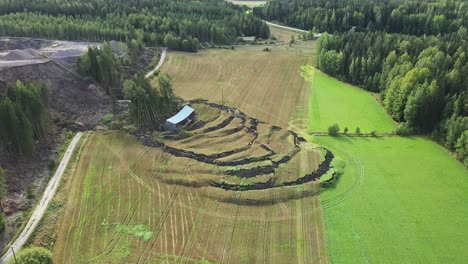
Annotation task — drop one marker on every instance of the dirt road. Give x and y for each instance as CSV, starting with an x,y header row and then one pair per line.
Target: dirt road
x,y
285,27
43,203
161,61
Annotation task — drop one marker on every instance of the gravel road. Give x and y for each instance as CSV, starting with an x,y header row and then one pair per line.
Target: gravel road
x,y
44,202
285,27
161,61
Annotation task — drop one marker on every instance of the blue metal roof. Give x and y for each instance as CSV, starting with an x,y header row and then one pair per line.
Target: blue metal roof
x,y
181,116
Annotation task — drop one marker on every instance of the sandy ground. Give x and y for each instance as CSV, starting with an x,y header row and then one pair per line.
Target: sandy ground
x,y
42,49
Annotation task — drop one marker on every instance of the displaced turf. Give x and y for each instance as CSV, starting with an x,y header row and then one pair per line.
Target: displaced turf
x,y
332,101
400,200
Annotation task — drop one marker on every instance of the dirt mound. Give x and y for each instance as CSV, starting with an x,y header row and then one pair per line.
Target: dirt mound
x,y
22,43
17,55
67,53
32,52
116,47
71,98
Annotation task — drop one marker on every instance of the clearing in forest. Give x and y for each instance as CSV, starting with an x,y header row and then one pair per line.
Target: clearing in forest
x,y
332,101
134,203
400,200
264,85
249,3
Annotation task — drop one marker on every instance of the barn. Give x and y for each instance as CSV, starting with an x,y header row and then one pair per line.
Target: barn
x,y
182,118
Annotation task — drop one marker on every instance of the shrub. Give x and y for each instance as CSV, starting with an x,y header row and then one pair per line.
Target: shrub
x,y
51,164
358,131
107,119
30,192
403,131
345,131
32,255
333,129
373,133
338,164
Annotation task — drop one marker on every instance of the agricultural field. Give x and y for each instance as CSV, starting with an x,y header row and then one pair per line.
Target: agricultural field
x,y
332,101
400,200
283,35
133,203
264,85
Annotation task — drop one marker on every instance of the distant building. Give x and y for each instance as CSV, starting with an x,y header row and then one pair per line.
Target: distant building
x,y
182,118
317,35
247,39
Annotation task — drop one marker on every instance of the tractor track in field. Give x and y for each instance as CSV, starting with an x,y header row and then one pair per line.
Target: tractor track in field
x,y
336,200
109,195
163,218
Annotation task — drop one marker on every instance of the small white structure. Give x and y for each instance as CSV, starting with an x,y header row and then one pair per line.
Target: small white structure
x,y
247,39
182,118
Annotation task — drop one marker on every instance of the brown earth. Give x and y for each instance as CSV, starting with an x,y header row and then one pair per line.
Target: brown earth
x,y
264,85
116,185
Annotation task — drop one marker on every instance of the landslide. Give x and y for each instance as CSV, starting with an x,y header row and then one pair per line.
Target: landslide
x,y
71,98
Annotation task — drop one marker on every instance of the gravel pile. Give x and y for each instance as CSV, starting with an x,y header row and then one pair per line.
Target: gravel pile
x,y
17,55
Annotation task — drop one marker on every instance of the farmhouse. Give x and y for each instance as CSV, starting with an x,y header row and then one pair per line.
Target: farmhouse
x,y
182,118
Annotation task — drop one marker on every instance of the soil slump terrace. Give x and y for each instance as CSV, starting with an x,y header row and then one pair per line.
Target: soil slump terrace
x,y
129,203
236,152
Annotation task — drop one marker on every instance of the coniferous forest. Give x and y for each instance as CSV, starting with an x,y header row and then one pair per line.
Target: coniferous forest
x,y
414,53
414,17
207,21
24,117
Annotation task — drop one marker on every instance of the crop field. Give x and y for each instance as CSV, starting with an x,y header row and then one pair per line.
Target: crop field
x,y
283,35
265,85
400,200
131,203
332,101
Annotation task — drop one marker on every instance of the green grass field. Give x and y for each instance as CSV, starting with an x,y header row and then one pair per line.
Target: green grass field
x,y
333,101
400,200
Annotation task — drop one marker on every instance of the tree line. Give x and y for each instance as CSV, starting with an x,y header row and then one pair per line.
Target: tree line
x,y
157,21
413,17
24,117
101,65
149,105
422,80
